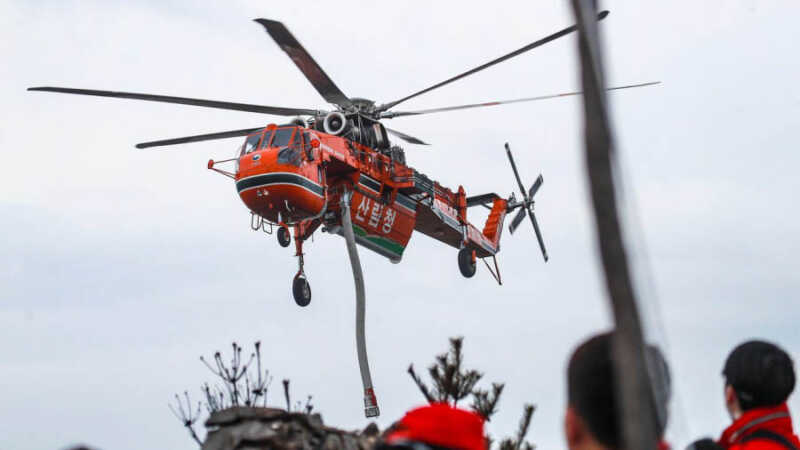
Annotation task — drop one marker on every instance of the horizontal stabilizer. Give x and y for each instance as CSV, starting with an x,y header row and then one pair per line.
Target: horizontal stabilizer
x,y
482,199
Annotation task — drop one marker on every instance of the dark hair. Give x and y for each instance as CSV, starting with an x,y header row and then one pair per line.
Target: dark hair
x,y
591,391
761,374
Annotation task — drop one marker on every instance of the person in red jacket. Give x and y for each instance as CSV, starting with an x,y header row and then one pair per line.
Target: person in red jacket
x,y
759,377
436,426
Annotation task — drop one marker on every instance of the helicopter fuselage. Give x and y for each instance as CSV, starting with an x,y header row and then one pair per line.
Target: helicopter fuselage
x,y
296,176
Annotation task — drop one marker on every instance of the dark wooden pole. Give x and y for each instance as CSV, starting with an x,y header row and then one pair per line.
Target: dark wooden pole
x,y
633,389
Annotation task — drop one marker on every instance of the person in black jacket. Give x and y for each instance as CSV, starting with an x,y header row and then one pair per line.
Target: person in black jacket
x,y
591,419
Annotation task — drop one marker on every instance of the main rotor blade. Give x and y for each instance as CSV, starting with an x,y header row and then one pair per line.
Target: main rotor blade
x,y
198,138
538,233
407,138
303,60
392,114
516,174
519,51
517,219
276,110
535,186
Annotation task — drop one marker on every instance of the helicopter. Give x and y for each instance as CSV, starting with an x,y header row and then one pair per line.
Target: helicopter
x,y
307,174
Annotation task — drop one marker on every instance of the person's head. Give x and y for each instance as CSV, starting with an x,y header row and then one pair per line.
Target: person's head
x,y
757,374
591,421
437,426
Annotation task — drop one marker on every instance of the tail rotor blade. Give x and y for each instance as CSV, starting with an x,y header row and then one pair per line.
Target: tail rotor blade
x,y
514,168
536,185
517,220
538,233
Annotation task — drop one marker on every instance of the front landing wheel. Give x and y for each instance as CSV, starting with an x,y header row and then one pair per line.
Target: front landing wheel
x,y
284,238
466,262
301,290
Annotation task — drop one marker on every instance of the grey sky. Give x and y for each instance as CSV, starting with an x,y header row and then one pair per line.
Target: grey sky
x,y
120,267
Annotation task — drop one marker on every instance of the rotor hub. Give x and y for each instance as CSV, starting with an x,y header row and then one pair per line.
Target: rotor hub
x,y
363,105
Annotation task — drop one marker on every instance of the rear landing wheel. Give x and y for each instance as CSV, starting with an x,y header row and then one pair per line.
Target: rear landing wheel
x,y
301,290
466,263
284,238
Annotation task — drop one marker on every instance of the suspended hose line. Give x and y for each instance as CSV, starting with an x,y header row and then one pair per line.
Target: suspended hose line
x,y
370,400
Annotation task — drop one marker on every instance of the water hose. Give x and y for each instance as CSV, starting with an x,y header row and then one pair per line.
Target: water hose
x,y
370,400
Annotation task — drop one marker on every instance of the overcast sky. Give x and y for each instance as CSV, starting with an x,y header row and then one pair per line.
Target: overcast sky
x,y
121,266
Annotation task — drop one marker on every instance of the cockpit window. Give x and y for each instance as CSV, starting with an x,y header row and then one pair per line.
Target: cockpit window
x,y
252,142
307,146
282,137
290,154
267,137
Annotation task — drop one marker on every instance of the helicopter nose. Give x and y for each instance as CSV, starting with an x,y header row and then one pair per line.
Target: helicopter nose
x,y
292,194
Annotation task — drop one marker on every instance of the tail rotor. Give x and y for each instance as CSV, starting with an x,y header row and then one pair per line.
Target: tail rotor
x,y
526,205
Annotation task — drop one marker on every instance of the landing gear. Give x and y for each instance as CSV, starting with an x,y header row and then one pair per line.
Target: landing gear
x,y
301,290
466,262
284,238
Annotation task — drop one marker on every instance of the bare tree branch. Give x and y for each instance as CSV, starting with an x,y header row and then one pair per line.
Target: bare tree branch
x,y
420,384
485,402
187,416
286,394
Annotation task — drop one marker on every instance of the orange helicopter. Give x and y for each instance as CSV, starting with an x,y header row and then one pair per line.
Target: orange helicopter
x,y
300,175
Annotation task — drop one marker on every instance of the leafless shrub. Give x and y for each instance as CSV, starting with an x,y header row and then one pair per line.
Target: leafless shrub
x,y
238,386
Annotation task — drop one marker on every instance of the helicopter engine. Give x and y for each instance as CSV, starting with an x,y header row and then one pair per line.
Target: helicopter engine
x,y
334,123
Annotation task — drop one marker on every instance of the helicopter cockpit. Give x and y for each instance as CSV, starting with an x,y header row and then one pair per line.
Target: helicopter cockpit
x,y
287,140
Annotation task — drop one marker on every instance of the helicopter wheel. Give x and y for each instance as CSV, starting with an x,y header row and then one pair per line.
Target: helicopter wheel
x,y
284,238
466,263
301,290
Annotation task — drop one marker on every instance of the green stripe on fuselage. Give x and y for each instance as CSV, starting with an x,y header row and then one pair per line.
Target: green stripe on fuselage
x,y
380,241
